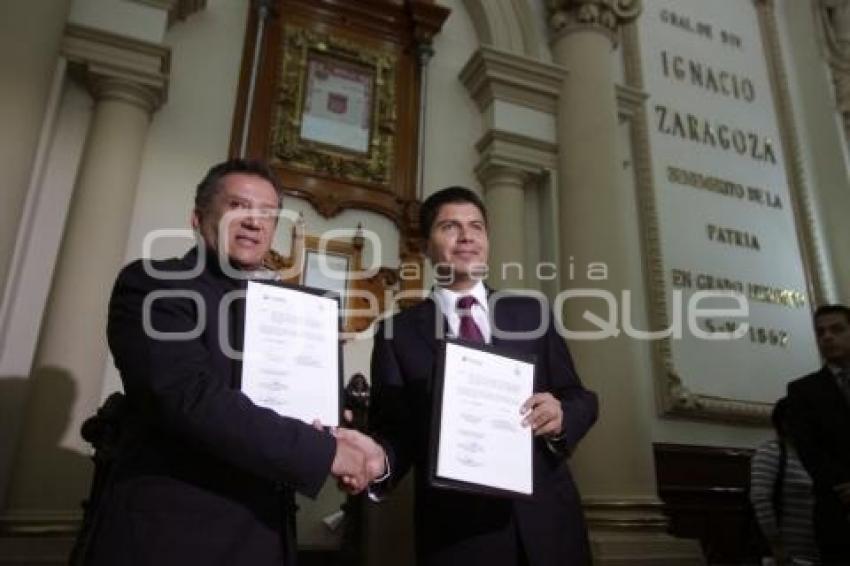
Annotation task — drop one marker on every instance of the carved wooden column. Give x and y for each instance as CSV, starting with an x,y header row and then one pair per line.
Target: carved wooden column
x,y
613,466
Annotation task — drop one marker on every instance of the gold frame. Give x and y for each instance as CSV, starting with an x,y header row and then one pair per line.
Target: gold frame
x,y
368,73
290,149
313,245
383,284
674,398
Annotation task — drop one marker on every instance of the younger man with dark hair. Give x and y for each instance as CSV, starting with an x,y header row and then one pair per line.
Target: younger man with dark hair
x,y
819,423
458,529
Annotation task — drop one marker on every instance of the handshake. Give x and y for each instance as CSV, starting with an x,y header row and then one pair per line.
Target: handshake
x,y
358,461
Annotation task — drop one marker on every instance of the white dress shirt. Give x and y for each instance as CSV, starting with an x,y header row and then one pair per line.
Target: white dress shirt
x,y
446,301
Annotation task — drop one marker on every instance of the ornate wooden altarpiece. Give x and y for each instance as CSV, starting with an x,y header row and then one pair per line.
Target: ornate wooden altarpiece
x,y
334,106
377,283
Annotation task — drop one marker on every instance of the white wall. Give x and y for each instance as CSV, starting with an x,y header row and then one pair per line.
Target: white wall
x,y
541,27
192,130
453,122
123,17
30,35
821,137
29,287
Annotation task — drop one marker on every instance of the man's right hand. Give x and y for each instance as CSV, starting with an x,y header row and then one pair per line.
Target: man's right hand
x,y
376,458
349,465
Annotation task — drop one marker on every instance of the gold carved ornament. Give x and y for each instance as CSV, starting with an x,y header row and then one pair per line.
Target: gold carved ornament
x,y
290,149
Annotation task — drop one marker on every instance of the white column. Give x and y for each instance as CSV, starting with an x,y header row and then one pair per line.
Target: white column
x,y
504,194
51,471
614,465
517,97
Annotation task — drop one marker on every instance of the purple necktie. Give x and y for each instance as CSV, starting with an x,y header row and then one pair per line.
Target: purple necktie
x,y
468,330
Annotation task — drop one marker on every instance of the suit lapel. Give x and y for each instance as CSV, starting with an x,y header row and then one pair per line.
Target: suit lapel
x,y
501,319
234,323
831,392
427,324
237,332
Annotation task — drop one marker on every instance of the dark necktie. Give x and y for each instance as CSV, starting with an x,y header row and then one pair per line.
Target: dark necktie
x,y
843,380
468,330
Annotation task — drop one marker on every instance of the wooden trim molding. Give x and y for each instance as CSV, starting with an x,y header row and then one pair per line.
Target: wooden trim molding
x,y
705,490
41,525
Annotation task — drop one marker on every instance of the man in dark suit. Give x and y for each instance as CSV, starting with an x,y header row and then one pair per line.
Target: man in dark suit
x,y
202,475
819,423
455,528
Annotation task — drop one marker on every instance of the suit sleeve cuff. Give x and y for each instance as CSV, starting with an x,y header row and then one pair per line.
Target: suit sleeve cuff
x,y
378,487
556,443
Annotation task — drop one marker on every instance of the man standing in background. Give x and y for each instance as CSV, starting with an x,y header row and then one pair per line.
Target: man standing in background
x,y
819,423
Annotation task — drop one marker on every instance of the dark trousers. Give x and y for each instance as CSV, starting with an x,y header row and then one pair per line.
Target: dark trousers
x,y
504,548
832,531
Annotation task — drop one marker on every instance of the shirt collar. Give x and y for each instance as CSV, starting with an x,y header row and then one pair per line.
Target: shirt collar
x,y
446,299
264,274
214,263
837,371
